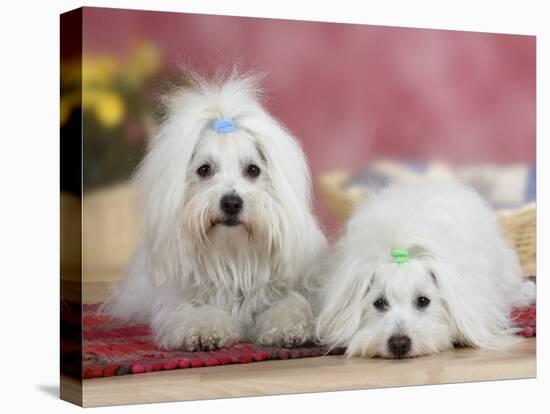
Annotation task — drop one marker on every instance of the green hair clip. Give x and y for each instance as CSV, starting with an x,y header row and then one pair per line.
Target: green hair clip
x,y
400,255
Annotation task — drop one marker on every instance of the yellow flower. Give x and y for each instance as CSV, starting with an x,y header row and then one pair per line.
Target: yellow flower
x,y
71,73
64,111
109,109
67,105
99,70
143,62
90,97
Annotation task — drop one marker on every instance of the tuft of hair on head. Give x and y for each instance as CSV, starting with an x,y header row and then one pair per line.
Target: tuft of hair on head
x,y
223,91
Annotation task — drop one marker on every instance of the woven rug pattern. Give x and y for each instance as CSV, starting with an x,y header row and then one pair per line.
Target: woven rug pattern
x,y
111,348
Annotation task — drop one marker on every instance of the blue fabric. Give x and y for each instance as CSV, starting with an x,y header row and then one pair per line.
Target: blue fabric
x,y
531,191
375,181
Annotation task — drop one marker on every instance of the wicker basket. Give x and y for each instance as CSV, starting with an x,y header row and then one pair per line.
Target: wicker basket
x,y
519,225
339,200
96,254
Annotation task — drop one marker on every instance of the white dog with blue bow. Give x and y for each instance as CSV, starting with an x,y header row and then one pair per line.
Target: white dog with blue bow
x,y
422,268
228,228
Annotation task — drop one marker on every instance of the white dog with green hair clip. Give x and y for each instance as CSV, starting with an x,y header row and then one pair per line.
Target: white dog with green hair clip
x,y
421,268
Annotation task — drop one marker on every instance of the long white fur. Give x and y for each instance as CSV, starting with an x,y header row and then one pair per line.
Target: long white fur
x,y
451,233
202,286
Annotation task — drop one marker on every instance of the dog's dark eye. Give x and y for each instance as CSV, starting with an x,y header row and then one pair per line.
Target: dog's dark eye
x,y
380,304
252,171
422,302
204,170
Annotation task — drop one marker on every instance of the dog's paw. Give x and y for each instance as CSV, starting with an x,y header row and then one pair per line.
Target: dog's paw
x,y
204,328
288,323
284,336
208,339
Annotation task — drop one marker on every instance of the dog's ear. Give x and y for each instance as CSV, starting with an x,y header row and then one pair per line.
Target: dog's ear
x,y
287,163
478,315
160,183
299,235
347,281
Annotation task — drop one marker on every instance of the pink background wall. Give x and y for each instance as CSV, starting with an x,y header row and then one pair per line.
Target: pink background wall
x,y
352,93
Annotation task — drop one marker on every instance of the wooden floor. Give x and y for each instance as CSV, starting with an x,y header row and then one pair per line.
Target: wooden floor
x,y
328,373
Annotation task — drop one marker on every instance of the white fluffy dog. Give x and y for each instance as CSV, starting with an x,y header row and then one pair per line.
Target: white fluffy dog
x,y
422,268
229,233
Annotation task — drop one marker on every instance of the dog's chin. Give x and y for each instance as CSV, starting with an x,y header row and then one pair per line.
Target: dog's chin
x,y
389,355
230,223
380,353
226,222
406,356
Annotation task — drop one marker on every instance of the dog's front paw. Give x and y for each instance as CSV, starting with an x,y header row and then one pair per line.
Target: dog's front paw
x,y
285,336
208,339
204,328
288,323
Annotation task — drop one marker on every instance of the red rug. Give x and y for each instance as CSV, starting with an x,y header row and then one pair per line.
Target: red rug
x,y
112,348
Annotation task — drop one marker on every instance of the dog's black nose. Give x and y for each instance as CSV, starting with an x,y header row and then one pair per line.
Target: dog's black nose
x,y
399,345
231,204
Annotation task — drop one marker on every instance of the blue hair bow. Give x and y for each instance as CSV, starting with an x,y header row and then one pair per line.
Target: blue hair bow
x,y
224,126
